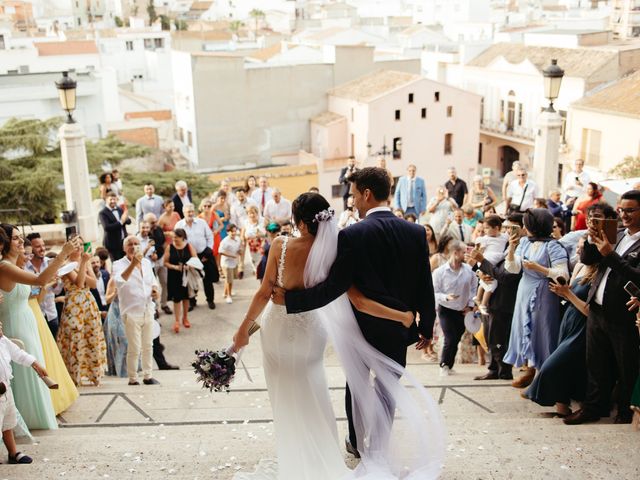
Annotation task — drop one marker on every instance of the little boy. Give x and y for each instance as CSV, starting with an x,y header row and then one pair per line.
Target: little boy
x,y
492,245
9,351
230,253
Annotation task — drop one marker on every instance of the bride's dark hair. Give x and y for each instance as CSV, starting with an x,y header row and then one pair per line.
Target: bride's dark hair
x,y
305,208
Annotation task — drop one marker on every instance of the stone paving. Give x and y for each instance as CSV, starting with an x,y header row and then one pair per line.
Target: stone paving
x,y
177,430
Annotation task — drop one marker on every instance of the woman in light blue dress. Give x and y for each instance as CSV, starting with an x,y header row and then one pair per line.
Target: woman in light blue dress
x,y
115,335
536,320
31,395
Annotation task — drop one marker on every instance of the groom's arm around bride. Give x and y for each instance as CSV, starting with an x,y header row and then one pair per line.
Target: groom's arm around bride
x,y
386,258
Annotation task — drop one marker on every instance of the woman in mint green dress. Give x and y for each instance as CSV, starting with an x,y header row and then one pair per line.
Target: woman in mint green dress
x,y
31,395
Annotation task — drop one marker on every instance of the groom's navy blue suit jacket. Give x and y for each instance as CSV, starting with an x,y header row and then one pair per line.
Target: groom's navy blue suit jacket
x,y
387,259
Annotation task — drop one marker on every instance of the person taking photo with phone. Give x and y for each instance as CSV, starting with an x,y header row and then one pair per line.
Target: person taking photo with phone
x,y
612,336
454,285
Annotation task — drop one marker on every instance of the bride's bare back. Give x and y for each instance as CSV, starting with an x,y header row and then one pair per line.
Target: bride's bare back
x,y
295,258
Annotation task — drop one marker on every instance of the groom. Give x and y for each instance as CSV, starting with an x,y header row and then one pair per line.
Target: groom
x,y
387,259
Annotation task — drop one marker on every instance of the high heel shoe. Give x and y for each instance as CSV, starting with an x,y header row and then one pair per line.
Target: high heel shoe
x,y
176,327
185,323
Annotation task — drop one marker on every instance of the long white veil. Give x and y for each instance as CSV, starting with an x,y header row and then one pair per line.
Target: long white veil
x,y
400,429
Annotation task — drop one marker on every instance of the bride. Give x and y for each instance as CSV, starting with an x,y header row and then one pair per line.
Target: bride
x,y
407,446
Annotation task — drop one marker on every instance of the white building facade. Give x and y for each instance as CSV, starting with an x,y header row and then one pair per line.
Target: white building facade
x,y
416,120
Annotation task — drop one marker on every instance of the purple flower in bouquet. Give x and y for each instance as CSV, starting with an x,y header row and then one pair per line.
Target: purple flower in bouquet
x,y
215,369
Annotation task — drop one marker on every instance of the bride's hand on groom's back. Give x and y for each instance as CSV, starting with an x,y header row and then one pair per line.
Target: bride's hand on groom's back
x,y
277,295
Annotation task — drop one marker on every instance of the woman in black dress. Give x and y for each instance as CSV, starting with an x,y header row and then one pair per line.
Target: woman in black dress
x,y
175,259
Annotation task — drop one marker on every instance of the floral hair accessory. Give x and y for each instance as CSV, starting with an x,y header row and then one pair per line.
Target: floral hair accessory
x,y
324,215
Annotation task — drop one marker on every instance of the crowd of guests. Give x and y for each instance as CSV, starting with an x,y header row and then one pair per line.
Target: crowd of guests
x,y
543,287
83,313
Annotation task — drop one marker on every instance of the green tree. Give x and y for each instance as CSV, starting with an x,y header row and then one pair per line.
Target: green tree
x,y
235,25
256,15
180,24
31,170
151,11
627,168
165,22
118,21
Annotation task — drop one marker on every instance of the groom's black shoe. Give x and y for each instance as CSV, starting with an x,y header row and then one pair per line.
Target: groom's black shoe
x,y
350,448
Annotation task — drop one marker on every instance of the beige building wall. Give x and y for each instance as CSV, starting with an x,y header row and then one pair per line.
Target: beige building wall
x,y
248,114
603,139
291,180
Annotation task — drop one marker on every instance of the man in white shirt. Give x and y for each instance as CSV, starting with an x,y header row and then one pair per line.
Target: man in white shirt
x,y
239,208
457,229
199,235
137,286
262,194
38,264
149,203
574,184
521,193
225,187
454,285
278,209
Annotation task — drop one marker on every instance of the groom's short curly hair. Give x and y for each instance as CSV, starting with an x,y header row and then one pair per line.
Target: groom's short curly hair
x,y
375,179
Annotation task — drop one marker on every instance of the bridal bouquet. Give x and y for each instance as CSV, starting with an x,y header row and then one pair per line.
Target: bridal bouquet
x,y
216,369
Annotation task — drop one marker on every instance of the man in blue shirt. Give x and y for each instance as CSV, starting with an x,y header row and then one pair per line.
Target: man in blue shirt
x,y
411,193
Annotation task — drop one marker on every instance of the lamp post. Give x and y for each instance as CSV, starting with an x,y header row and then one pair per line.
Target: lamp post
x,y
67,91
552,80
547,141
74,165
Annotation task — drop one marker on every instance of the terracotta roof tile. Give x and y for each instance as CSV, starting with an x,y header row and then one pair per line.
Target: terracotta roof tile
x,y
371,86
621,97
327,118
72,47
576,62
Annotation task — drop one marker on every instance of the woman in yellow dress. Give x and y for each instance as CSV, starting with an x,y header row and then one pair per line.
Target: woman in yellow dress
x,y
67,393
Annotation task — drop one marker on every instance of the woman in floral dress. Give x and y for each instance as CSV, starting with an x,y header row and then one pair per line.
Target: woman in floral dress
x,y
80,337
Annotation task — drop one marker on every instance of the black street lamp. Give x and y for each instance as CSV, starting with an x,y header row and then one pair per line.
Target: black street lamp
x,y
67,91
552,80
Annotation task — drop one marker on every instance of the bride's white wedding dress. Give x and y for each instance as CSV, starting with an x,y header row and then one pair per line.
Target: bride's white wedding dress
x,y
407,443
305,425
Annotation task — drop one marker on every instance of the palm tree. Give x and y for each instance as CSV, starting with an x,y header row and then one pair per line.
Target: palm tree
x,y
256,15
235,25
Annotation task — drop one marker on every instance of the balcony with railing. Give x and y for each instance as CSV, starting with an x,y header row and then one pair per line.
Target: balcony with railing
x,y
502,130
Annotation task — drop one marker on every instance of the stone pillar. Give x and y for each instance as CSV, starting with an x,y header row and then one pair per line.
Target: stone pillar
x,y
76,179
546,152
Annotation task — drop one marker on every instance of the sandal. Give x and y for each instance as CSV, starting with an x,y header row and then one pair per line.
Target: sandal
x,y
176,327
185,323
20,458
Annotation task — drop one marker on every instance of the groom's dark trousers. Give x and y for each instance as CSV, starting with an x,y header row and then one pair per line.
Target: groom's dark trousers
x,y
387,259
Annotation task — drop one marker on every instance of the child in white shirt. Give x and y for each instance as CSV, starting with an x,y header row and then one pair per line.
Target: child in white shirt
x,y
492,245
229,254
9,352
